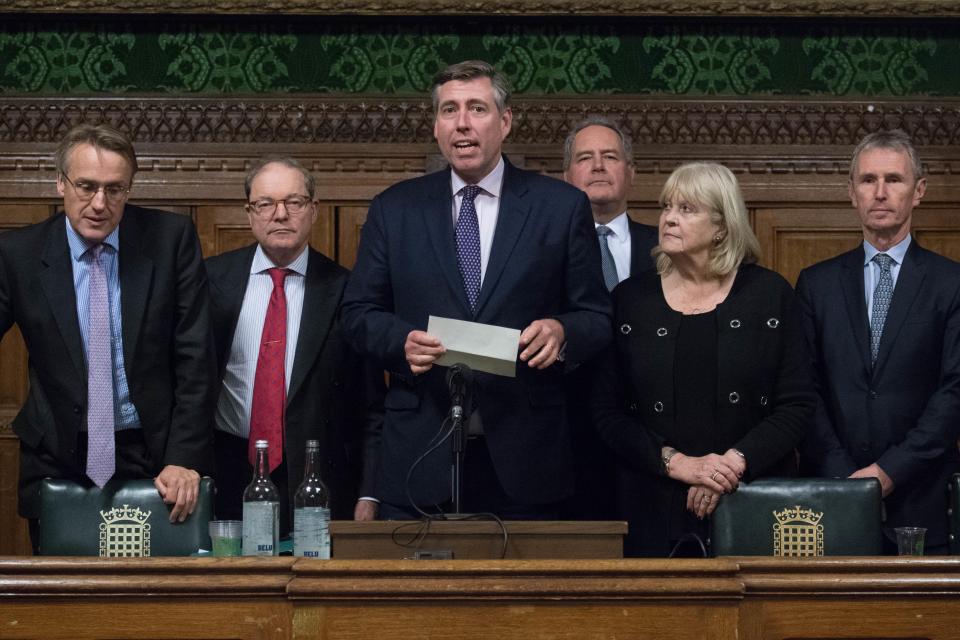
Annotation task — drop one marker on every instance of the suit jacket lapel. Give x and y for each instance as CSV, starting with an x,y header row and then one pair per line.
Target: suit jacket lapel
x,y
438,221
511,218
851,283
635,255
136,277
912,272
321,296
57,282
229,298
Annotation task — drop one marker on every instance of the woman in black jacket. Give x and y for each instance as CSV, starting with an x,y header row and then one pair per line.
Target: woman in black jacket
x,y
706,383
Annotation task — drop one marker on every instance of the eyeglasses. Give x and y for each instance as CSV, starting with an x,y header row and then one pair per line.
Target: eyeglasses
x,y
266,208
89,190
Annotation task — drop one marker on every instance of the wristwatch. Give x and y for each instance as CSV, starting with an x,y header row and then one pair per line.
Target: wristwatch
x,y
666,454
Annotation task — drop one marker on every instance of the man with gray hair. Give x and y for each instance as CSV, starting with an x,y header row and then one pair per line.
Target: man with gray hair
x,y
598,159
487,242
883,329
111,300
287,376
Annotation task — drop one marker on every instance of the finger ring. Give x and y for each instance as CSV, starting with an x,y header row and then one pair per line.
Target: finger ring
x,y
714,476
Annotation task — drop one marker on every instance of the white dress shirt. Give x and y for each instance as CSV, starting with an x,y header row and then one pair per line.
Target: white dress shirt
x,y
236,394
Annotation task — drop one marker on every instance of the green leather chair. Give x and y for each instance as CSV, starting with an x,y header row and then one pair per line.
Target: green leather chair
x,y
799,517
124,519
953,511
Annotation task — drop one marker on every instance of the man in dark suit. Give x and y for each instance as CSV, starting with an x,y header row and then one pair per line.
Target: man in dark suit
x,y
598,159
320,389
883,328
111,300
490,243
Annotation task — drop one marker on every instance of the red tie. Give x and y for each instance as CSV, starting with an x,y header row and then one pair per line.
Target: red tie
x,y
269,390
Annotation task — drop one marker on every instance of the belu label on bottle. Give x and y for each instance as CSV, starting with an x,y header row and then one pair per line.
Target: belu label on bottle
x,y
311,532
260,528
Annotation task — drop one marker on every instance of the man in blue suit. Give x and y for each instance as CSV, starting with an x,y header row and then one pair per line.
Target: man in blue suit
x,y
883,328
598,158
490,243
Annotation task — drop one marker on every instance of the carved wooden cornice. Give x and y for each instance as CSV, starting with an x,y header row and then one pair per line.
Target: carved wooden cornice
x,y
397,121
763,8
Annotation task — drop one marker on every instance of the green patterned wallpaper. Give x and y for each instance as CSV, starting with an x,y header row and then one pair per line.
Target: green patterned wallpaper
x,y
675,57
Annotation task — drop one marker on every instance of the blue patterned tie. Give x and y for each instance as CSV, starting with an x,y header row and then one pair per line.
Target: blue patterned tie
x,y
101,458
468,244
606,258
882,296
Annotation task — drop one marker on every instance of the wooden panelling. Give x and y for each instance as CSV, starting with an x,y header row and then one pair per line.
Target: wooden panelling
x,y
282,598
351,221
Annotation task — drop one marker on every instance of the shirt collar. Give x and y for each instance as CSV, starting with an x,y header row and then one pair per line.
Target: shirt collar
x,y
620,226
897,251
79,246
490,183
261,262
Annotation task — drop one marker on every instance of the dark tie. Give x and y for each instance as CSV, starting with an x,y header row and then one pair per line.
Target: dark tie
x,y
101,457
606,258
468,244
882,295
269,388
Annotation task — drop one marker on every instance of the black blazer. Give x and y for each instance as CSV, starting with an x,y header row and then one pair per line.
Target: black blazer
x,y
763,403
544,262
643,238
166,343
902,413
332,396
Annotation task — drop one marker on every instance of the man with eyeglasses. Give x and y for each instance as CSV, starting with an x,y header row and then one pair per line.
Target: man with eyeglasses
x,y
286,375
111,300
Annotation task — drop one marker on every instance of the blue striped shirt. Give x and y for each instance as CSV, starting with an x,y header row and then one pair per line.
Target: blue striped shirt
x,y
124,413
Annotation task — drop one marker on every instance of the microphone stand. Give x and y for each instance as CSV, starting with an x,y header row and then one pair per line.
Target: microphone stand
x,y
458,381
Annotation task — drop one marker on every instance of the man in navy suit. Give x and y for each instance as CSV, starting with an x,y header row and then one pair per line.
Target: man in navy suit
x,y
486,242
883,328
598,158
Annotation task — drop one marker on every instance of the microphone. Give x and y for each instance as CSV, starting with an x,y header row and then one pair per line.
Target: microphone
x,y
459,378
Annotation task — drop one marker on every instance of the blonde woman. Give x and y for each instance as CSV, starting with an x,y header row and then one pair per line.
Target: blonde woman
x,y
706,384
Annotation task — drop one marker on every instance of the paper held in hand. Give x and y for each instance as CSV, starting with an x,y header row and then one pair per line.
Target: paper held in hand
x,y
482,347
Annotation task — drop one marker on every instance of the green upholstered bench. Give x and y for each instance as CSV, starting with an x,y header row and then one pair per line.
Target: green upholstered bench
x,y
799,517
124,519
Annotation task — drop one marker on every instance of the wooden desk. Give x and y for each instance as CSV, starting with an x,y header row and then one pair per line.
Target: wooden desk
x,y
478,539
723,598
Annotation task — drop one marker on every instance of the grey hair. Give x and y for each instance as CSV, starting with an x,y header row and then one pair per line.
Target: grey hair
x,y
309,182
471,70
100,136
895,139
596,121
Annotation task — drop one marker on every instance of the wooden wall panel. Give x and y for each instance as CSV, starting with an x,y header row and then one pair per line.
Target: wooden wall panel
x,y
351,219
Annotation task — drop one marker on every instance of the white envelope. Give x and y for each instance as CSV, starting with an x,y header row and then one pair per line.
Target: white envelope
x,y
482,347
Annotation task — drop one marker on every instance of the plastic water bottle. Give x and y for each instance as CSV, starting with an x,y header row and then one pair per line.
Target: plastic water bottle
x,y
261,509
311,510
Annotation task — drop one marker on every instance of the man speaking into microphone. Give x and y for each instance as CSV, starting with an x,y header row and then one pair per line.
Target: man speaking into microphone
x,y
486,242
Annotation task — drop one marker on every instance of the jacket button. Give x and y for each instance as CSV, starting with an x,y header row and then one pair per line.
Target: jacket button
x,y
734,324
658,406
662,331
633,407
773,323
763,401
734,397
873,394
